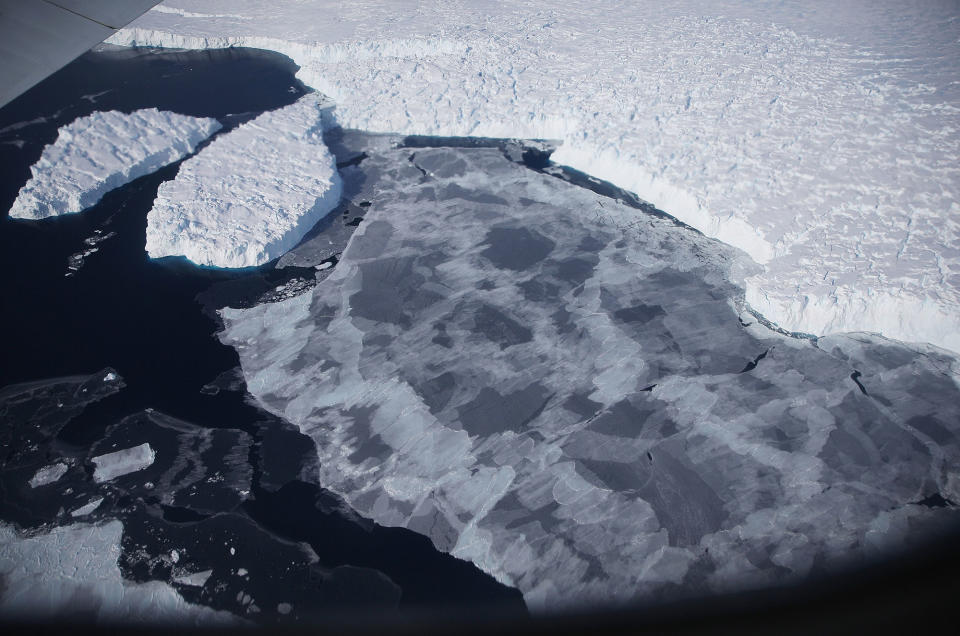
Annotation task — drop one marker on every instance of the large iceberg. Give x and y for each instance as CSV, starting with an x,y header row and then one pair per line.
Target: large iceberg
x,y
561,389
252,194
103,151
816,138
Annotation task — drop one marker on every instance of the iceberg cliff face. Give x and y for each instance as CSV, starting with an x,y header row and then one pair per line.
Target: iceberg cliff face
x,y
815,138
103,151
250,195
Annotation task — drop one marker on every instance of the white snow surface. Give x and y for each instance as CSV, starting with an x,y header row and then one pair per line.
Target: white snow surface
x,y
122,462
252,194
103,151
71,572
820,137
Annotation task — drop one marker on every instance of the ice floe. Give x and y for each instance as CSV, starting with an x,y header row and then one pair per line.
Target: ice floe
x,y
815,138
250,195
48,474
561,389
122,462
103,151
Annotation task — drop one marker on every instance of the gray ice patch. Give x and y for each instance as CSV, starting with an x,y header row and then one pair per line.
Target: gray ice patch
x,y
516,248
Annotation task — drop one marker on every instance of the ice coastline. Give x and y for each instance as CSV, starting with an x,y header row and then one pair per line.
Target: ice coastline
x,y
250,195
814,138
103,151
71,572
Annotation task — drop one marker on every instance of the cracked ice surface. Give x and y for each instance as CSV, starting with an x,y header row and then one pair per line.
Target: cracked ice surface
x,y
251,195
561,390
103,151
821,138
71,572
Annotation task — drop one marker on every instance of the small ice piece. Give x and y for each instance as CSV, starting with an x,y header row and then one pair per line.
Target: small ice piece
x,y
284,608
242,572
48,474
88,508
129,460
110,377
324,265
233,551
174,556
103,151
251,195
194,579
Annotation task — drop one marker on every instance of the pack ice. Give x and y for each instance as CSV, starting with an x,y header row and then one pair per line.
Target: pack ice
x,y
816,138
103,151
71,572
561,389
250,195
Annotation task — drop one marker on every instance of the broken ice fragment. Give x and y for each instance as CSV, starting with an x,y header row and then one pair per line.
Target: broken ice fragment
x,y
122,462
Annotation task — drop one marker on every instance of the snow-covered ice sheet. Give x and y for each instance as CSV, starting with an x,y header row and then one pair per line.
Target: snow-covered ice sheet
x,y
103,151
71,572
560,389
820,137
122,462
252,194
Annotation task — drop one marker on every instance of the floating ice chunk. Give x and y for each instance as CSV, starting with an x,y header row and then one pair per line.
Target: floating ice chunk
x,y
121,462
252,194
284,608
48,474
84,510
195,579
103,151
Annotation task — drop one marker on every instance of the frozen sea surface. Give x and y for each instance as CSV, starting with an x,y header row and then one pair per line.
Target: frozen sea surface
x,y
250,195
70,573
819,137
102,151
564,390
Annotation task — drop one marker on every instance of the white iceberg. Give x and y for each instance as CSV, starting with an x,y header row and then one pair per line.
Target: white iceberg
x,y
820,141
252,194
122,462
103,151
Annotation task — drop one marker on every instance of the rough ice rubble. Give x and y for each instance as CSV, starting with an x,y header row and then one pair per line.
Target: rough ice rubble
x,y
71,572
816,138
563,393
103,151
250,195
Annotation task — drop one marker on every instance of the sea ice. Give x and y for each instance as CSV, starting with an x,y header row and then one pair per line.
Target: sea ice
x,y
814,137
87,508
559,388
48,474
250,195
103,151
71,572
122,462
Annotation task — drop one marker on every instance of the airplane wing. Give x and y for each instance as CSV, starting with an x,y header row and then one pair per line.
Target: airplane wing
x,y
38,37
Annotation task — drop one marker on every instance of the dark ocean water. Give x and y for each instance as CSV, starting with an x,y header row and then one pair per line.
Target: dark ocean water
x,y
66,314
